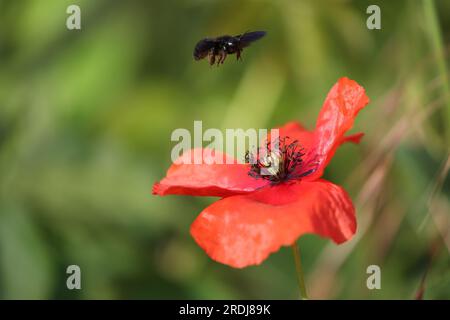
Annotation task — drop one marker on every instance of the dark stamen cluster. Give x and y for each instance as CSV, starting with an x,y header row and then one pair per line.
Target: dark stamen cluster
x,y
279,162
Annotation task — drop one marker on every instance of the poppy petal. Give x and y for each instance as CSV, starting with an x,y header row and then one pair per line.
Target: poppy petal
x,y
243,230
295,131
339,110
353,138
207,178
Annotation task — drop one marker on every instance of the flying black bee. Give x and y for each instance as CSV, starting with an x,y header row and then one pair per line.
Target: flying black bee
x,y
217,49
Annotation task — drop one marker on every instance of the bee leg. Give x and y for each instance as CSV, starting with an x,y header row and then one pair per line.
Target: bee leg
x,y
219,55
238,55
223,56
211,59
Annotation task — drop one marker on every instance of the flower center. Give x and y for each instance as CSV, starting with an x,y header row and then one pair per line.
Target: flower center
x,y
278,162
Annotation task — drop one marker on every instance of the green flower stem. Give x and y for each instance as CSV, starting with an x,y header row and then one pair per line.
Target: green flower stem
x,y
299,270
438,49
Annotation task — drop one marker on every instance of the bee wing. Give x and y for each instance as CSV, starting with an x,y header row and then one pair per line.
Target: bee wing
x,y
202,48
248,37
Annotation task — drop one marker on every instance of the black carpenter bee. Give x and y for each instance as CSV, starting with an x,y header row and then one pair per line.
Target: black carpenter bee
x,y
221,46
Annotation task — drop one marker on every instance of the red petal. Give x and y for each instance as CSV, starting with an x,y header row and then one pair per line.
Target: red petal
x,y
296,131
339,110
243,230
305,137
205,179
353,138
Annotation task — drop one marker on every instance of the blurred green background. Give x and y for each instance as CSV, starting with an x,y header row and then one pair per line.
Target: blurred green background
x,y
85,124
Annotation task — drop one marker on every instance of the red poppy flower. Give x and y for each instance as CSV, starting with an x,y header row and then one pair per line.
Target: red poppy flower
x,y
258,214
